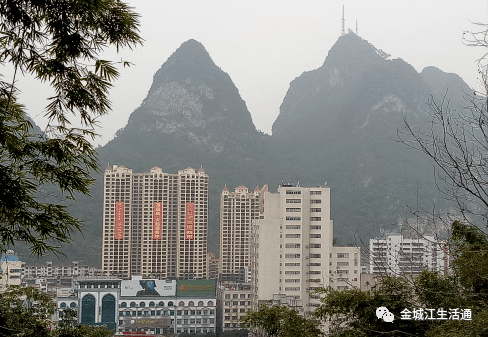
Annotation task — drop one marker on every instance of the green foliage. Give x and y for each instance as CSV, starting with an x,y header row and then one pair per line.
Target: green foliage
x,y
281,322
353,312
470,250
18,315
56,41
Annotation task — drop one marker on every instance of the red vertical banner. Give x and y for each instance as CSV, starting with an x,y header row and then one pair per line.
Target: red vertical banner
x,y
119,220
157,220
190,221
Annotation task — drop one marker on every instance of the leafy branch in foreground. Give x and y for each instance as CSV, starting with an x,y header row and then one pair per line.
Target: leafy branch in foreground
x,y
56,41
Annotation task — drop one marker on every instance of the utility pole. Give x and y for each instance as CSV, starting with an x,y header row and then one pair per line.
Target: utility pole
x,y
343,22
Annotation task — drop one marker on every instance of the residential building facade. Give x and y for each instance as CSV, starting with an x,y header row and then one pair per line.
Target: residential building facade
x,y
49,270
155,223
10,270
233,302
397,254
237,211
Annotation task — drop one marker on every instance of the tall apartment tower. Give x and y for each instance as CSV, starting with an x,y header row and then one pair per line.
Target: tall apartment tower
x,y
291,248
155,223
237,211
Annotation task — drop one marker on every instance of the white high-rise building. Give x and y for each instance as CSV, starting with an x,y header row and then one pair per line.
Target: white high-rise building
x,y
398,255
292,251
155,223
237,211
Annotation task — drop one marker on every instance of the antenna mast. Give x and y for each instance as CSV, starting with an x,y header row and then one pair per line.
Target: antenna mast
x,y
343,22
357,27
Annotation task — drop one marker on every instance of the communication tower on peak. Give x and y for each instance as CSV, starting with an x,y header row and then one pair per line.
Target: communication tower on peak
x,y
343,22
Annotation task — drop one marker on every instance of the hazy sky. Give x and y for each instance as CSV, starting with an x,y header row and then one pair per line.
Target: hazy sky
x,y
264,45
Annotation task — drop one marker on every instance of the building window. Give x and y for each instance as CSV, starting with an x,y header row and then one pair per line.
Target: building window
x,y
315,210
292,280
292,256
342,255
315,256
293,192
293,218
293,201
292,236
315,218
315,192
293,209
316,201
88,309
292,245
315,227
292,288
108,308
292,226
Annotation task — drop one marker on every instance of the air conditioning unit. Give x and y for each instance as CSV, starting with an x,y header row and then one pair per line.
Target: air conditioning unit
x,y
307,272
306,257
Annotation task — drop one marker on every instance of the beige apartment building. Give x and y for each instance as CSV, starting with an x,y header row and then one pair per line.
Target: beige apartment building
x,y
10,270
237,211
292,251
155,223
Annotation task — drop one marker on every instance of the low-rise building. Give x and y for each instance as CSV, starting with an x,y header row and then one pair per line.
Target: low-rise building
x,y
144,305
233,302
49,270
396,254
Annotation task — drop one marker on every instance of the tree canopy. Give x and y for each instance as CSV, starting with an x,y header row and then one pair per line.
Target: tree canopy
x,y
353,312
280,321
58,42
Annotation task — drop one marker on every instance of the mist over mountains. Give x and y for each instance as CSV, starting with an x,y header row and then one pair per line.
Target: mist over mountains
x,y
337,124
